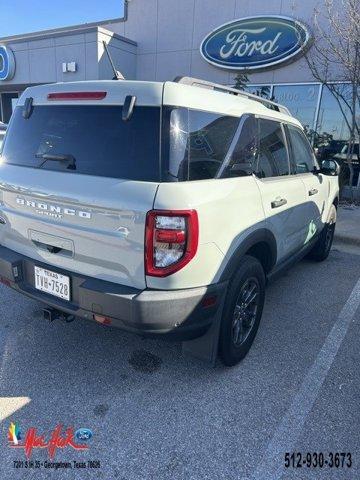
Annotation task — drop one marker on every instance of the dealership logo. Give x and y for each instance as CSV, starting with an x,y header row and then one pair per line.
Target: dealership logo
x,y
57,439
83,434
7,63
254,43
14,433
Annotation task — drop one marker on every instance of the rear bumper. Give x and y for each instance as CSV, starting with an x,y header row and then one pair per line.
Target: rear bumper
x,y
176,314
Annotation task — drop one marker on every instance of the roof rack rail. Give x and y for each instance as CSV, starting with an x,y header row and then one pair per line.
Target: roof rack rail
x,y
196,82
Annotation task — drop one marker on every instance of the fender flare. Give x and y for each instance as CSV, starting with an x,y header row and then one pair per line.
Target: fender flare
x,y
333,201
261,235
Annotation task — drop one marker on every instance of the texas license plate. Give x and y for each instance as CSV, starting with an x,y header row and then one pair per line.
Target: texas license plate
x,y
52,282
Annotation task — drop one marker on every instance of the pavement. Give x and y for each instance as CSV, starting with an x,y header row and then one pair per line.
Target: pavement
x,y
156,414
348,224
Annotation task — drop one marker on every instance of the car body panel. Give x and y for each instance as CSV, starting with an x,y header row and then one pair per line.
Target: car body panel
x,y
228,210
102,218
287,222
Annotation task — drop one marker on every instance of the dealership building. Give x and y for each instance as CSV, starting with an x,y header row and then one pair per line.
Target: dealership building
x,y
162,39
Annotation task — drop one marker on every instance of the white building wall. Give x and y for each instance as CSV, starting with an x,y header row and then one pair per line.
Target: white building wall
x,y
123,54
169,33
39,58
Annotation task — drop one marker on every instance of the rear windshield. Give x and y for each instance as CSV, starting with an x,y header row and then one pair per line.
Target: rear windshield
x,y
89,139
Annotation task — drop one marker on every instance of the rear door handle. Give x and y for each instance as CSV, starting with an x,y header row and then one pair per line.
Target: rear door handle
x,y
278,203
313,191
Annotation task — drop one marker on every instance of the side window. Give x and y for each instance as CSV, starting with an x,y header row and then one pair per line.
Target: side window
x,y
301,152
199,143
178,169
210,136
272,155
243,157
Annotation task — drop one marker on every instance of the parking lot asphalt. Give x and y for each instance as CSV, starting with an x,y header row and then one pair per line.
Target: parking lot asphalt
x,y
156,414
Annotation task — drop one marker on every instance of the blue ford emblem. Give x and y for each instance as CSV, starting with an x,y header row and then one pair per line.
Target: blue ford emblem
x,y
255,42
7,63
83,434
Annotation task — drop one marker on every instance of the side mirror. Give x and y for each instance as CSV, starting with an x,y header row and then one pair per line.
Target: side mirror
x,y
330,167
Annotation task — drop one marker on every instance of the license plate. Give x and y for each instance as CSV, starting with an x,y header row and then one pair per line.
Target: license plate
x,y
52,282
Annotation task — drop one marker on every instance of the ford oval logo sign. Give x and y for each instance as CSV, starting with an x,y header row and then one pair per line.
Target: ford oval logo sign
x,y
254,43
83,434
7,63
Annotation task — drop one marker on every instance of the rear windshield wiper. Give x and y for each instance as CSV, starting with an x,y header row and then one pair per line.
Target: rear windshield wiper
x,y
57,158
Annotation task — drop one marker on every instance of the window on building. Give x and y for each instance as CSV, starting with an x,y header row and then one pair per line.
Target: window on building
x,y
260,90
8,102
301,153
199,143
272,156
241,83
333,131
333,115
301,100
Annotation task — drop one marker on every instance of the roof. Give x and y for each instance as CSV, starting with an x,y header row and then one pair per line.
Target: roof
x,y
63,32
156,94
147,93
70,30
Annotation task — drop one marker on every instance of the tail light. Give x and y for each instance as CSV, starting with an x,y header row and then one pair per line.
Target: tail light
x,y
171,240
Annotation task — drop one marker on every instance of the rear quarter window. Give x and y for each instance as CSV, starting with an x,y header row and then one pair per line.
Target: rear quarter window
x,y
198,143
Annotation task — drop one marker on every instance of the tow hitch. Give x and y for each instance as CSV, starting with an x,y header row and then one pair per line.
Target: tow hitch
x,y
52,314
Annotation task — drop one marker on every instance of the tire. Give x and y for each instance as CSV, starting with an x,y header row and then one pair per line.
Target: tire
x,y
322,247
239,325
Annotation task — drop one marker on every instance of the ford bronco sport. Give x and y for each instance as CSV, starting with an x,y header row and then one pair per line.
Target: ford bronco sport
x,y
159,208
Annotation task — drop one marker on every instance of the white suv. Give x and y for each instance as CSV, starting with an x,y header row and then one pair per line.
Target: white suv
x,y
159,208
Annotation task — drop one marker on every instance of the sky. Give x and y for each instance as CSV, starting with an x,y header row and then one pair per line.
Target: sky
x,y
23,16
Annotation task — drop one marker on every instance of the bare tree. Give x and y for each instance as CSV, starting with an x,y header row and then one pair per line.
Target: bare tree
x,y
335,57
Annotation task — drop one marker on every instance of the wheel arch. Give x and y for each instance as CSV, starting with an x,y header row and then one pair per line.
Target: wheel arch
x,y
261,245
